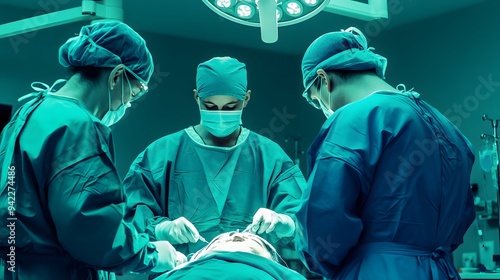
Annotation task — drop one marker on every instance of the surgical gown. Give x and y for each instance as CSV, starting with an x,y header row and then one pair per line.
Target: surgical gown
x,y
388,193
217,189
231,266
69,202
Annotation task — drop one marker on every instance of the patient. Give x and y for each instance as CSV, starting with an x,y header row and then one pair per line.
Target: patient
x,y
234,255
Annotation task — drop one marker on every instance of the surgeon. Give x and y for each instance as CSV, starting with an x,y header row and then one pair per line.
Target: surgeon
x,y
216,176
388,192
62,214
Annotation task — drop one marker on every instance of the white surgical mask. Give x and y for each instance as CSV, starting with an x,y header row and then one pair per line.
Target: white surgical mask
x,y
220,123
326,111
112,117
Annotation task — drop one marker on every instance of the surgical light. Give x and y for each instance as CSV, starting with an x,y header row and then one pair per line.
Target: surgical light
x,y
244,11
267,14
278,13
225,3
293,8
310,2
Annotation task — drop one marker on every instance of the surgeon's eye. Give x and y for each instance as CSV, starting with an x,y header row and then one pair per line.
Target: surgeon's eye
x,y
229,108
212,107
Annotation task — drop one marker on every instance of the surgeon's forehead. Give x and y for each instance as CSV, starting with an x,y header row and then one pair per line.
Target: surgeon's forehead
x,y
220,99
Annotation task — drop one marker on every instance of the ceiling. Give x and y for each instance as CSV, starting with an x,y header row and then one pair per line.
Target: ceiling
x,y
193,19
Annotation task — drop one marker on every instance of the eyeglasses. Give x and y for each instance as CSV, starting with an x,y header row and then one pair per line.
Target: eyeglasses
x,y
307,93
143,88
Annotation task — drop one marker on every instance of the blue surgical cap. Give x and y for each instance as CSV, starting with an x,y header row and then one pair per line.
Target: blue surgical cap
x,y
221,76
341,50
108,44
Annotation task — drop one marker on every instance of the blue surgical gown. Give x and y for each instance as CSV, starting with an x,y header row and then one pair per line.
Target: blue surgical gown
x,y
217,189
388,193
68,197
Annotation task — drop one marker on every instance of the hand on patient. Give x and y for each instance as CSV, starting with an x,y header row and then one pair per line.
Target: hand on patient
x,y
178,231
266,220
168,257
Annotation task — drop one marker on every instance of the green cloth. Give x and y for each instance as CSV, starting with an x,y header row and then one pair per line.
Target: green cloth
x,y
69,199
231,266
222,76
109,44
217,189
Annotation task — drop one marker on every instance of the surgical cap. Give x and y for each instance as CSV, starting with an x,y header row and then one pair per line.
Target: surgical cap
x,y
108,44
221,76
341,50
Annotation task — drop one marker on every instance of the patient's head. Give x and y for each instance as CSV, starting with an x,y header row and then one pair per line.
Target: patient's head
x,y
239,242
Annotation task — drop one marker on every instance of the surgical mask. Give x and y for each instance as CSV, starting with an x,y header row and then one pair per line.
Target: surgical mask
x,y
326,111
112,117
220,123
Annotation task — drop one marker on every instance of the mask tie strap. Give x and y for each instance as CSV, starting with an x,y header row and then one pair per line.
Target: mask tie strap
x,y
402,89
40,89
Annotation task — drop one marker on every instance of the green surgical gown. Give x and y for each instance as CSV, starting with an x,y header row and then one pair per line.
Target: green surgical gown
x,y
217,189
69,199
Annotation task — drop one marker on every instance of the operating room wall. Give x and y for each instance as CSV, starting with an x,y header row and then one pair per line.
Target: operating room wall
x,y
453,61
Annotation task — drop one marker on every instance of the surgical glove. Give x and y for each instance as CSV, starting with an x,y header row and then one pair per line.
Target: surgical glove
x,y
178,231
168,257
267,221
180,258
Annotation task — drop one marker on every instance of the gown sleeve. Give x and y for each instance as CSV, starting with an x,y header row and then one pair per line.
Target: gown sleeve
x,y
145,192
86,203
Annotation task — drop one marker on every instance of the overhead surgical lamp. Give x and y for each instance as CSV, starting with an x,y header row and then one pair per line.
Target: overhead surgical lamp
x,y
267,14
364,10
91,10
261,13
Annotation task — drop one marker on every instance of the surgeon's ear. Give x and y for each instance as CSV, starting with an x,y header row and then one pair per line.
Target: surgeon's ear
x,y
247,98
115,76
325,79
195,95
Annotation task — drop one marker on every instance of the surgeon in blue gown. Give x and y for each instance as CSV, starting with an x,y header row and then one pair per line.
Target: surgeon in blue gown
x,y
216,176
62,213
388,192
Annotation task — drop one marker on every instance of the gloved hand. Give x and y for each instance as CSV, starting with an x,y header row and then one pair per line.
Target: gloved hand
x,y
180,258
168,257
267,221
178,231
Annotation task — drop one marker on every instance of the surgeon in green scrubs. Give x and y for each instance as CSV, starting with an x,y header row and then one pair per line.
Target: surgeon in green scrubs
x,y
62,205
216,176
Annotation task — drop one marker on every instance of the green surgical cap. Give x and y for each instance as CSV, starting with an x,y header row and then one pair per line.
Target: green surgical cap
x,y
221,76
341,50
108,44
